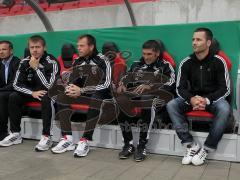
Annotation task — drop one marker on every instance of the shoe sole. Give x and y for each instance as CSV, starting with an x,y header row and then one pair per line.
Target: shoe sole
x,y
63,151
124,157
39,149
139,160
13,143
82,155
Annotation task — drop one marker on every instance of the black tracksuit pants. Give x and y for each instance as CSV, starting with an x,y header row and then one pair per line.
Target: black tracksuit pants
x,y
15,105
91,118
143,122
4,97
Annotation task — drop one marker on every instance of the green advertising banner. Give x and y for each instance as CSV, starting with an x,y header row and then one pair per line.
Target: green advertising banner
x,y
177,39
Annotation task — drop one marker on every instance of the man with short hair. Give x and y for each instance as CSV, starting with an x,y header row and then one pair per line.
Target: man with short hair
x,y
150,63
88,55
202,84
34,77
8,67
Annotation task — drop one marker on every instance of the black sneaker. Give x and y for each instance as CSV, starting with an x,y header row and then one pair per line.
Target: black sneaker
x,y
140,153
127,151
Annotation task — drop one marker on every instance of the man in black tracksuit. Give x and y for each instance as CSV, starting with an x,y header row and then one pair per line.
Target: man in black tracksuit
x,y
34,77
8,68
79,89
149,64
202,84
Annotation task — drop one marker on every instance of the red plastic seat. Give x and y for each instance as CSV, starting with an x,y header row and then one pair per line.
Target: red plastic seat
x,y
82,107
169,58
33,104
16,8
200,113
55,7
4,11
26,10
86,3
70,5
44,6
227,59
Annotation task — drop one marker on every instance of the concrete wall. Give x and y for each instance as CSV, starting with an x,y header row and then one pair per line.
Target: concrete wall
x,y
149,13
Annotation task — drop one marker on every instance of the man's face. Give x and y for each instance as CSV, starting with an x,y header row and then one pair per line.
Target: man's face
x,y
36,49
149,55
5,51
200,43
84,49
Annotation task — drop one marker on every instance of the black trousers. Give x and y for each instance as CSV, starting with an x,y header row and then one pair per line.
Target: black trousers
x,y
15,106
143,122
65,114
4,97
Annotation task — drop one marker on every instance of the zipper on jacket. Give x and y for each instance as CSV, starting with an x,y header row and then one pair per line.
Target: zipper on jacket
x,y
201,68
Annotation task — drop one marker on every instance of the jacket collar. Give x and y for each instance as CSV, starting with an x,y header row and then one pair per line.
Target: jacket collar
x,y
208,57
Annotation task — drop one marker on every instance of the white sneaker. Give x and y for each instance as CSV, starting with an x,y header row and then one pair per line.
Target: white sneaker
x,y
65,144
200,157
190,152
44,144
11,139
82,148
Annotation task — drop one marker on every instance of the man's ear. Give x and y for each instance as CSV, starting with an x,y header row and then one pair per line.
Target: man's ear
x,y
11,51
92,47
209,42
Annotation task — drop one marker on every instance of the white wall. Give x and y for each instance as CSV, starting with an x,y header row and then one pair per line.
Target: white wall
x,y
150,13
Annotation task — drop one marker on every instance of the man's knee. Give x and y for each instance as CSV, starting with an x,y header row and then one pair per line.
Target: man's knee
x,y
14,97
171,105
223,107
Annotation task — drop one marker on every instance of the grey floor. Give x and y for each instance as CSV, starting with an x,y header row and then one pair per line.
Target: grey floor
x,y
20,162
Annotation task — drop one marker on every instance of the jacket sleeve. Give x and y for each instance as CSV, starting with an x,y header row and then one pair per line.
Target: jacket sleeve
x,y
106,79
9,87
47,75
19,81
182,85
223,82
168,71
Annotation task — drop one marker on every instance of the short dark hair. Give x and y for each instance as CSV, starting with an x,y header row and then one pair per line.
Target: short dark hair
x,y
7,42
208,32
37,38
151,44
91,40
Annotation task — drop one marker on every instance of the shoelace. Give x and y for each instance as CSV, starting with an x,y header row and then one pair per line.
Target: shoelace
x,y
62,142
43,139
82,145
203,154
190,152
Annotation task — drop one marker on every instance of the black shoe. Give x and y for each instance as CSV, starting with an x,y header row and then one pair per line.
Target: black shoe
x,y
127,151
140,153
2,136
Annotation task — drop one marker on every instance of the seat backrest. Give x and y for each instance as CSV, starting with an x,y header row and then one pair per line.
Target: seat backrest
x,y
164,54
118,63
67,57
168,57
215,48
